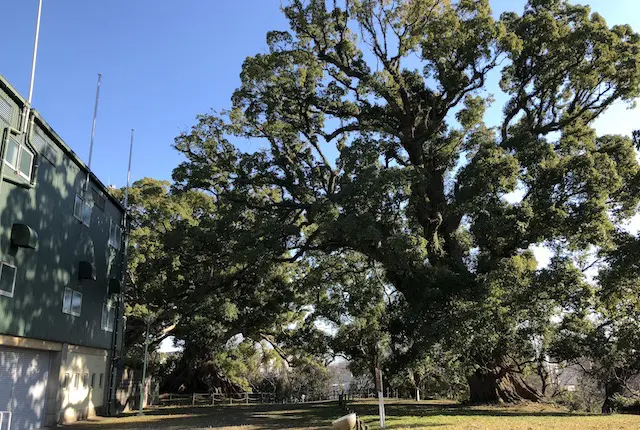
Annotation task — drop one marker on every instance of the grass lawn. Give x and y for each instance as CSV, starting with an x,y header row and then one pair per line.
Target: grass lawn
x,y
251,417
401,414
445,415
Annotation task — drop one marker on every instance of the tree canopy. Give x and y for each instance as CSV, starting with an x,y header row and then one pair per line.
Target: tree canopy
x,y
377,175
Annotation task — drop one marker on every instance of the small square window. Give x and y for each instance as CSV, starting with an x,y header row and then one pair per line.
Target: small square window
x,y
26,163
76,303
66,301
86,214
72,302
11,153
82,210
19,158
115,235
108,315
7,279
78,208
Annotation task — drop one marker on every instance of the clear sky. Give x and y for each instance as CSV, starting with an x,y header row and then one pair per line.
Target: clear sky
x,y
162,62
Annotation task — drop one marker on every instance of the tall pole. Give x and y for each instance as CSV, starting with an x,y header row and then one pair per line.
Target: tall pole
x,y
123,270
144,367
27,109
93,130
126,193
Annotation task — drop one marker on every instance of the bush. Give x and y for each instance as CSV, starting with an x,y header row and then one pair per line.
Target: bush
x,y
628,405
572,400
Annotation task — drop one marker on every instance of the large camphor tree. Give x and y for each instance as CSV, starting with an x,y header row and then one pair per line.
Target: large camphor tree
x,y
371,118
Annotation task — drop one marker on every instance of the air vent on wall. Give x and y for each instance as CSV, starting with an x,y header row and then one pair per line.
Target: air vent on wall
x,y
86,270
5,110
24,236
114,286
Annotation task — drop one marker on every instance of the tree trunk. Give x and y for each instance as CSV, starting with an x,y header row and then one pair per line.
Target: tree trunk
x,y
610,390
499,386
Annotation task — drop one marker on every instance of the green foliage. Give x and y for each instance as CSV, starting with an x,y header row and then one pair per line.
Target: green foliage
x,y
183,282
626,404
607,329
377,175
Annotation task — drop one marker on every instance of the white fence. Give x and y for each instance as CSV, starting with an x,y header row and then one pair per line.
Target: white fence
x,y
215,399
5,420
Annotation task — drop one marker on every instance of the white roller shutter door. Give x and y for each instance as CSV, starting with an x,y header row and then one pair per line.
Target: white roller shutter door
x,y
23,386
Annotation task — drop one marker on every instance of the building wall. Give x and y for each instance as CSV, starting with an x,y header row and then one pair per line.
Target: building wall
x,y
35,310
84,376
78,346
76,387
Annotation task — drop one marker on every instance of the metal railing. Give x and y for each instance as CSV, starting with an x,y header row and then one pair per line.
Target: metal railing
x,y
5,416
199,399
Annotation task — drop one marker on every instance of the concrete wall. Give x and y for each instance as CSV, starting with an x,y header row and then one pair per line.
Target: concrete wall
x,y
81,399
66,402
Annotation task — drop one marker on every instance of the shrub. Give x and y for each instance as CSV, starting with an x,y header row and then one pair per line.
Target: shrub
x,y
629,405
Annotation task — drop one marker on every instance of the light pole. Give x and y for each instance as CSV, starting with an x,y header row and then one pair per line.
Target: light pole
x,y
144,366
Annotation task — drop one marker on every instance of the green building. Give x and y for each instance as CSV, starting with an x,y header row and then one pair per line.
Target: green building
x,y
61,265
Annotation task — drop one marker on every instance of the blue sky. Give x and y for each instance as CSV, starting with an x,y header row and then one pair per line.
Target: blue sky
x,y
162,62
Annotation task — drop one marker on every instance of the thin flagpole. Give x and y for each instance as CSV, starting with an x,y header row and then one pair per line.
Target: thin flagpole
x,y
126,193
33,69
93,130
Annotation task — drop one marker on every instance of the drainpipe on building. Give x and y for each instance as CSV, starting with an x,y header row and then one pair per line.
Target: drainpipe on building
x,y
113,371
3,144
123,271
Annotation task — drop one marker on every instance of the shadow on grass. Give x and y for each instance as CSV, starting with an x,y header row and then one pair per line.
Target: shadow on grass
x,y
410,409
308,416
268,417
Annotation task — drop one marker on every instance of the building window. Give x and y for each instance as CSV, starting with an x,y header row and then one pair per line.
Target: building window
x,y
26,163
77,208
85,380
101,378
67,381
115,235
72,302
76,381
7,279
19,158
108,315
82,210
93,380
11,153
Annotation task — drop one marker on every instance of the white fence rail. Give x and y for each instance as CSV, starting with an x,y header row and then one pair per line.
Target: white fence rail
x,y
5,420
215,399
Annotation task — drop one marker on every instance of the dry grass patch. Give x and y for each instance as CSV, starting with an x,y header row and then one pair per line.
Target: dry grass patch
x,y
438,415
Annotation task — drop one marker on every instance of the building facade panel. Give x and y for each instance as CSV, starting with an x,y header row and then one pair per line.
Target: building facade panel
x,y
61,264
